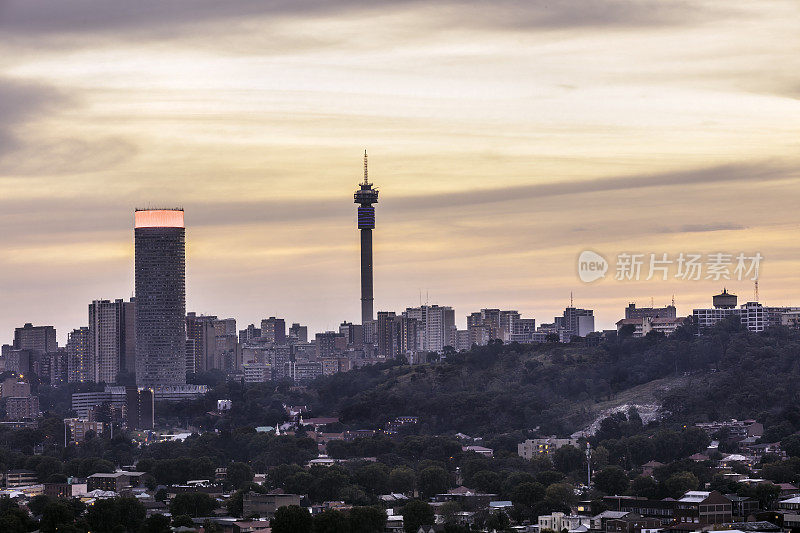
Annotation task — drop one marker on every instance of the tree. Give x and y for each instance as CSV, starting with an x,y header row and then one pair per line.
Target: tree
x,y
331,521
611,480
292,519
644,487
449,511
527,494
681,482
114,514
497,521
237,474
182,520
432,480
567,459
402,480
560,495
54,516
367,520
417,513
157,523
194,504
791,445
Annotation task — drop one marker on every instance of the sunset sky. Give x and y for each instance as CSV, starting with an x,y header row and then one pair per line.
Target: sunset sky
x,y
505,137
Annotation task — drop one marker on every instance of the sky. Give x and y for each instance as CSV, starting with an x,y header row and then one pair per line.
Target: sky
x,y
505,138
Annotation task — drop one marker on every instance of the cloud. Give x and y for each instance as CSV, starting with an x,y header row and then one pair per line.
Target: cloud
x,y
103,16
21,101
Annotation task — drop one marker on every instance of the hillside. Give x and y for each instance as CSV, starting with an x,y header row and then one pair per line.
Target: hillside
x,y
563,388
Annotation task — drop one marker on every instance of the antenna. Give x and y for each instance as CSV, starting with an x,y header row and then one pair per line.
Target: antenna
x,y
673,300
366,175
570,299
755,290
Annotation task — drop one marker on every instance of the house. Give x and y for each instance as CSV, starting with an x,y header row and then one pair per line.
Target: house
x,y
480,450
599,521
649,467
703,508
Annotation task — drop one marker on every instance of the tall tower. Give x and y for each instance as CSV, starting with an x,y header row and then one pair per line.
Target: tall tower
x,y
365,196
160,297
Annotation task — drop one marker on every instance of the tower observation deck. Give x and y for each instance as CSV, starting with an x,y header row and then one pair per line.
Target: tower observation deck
x,y
365,196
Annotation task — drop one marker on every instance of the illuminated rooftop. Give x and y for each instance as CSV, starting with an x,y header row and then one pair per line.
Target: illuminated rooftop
x,y
158,218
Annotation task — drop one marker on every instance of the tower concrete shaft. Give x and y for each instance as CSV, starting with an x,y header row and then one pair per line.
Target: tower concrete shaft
x,y
366,276
365,196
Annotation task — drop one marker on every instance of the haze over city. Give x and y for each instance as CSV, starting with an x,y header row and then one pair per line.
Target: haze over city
x,y
504,139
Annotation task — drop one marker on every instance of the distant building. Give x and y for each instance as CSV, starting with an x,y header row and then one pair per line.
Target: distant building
x,y
754,316
330,344
109,338
576,322
79,427
201,331
22,408
702,508
650,312
79,369
644,325
160,278
265,505
273,330
298,333
139,408
15,387
39,339
435,326
534,447
115,481
257,372
20,478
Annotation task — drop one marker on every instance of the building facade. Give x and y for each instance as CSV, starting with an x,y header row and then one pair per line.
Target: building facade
x,y
160,277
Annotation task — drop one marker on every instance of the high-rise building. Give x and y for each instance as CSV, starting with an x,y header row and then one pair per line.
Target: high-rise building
x,y
139,408
41,339
160,243
201,330
109,339
435,326
79,369
250,334
365,196
273,330
576,322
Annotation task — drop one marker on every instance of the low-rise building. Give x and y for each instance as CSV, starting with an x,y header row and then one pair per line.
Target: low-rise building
x,y
703,508
534,447
265,505
20,478
115,481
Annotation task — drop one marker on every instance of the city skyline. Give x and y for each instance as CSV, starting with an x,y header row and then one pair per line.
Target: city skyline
x,y
503,146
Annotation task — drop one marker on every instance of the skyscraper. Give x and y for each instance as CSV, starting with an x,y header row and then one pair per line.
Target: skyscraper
x,y
160,297
78,367
108,339
365,197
